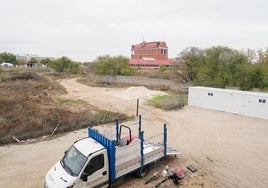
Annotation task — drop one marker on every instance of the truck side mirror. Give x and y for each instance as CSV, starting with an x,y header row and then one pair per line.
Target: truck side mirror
x,y
84,177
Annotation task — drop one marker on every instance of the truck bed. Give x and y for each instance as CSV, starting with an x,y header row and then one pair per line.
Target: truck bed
x,y
128,158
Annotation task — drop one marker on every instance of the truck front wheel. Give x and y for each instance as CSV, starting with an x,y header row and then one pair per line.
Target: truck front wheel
x,y
143,171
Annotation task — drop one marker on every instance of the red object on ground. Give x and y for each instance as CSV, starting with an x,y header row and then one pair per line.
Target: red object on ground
x,y
128,138
180,172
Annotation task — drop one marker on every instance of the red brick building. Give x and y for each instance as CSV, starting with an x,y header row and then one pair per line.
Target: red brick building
x,y
150,54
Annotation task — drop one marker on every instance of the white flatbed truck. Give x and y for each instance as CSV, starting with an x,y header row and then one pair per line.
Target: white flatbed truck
x,y
97,161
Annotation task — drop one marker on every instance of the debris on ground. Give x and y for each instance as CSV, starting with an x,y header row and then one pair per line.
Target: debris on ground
x,y
155,176
191,168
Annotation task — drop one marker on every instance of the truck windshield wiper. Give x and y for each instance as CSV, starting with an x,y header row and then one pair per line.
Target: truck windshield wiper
x,y
67,168
62,163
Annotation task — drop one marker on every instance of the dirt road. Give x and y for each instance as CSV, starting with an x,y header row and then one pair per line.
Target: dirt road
x,y
229,150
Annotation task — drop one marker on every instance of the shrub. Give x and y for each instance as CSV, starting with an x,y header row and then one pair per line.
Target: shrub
x,y
64,64
169,102
163,68
118,65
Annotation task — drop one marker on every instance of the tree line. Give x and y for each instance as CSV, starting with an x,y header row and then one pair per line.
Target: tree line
x,y
62,64
104,65
216,66
222,66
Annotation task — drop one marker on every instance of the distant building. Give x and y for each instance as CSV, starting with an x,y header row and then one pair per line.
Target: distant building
x,y
150,55
31,64
28,57
5,64
34,64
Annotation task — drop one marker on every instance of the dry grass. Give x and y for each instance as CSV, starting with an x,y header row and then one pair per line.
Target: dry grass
x,y
28,109
119,84
169,102
103,83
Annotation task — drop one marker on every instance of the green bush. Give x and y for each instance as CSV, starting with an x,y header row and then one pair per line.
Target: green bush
x,y
8,57
163,68
64,64
169,102
107,65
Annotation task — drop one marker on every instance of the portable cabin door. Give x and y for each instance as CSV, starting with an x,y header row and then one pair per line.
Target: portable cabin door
x,y
194,97
230,105
240,104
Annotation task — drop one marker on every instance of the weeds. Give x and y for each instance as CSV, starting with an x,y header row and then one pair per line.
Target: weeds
x,y
169,102
69,101
29,111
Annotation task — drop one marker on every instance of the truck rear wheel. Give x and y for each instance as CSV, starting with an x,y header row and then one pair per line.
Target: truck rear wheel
x,y
143,171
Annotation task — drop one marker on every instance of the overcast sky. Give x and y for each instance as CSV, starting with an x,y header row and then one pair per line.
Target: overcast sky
x,y
86,29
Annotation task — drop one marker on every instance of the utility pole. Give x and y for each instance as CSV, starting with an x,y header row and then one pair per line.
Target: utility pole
x,y
137,109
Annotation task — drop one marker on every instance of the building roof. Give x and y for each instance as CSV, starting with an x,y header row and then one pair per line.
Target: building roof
x,y
211,89
150,61
154,44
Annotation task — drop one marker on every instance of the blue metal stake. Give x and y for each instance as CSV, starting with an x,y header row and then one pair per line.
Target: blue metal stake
x,y
117,130
165,140
142,156
139,125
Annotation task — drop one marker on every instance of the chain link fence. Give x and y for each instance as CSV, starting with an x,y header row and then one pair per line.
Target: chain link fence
x,y
170,102
162,84
174,102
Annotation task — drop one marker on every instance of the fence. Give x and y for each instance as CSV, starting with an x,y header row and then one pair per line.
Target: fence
x,y
151,82
174,102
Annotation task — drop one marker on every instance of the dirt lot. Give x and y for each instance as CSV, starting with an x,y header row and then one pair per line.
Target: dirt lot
x,y
229,150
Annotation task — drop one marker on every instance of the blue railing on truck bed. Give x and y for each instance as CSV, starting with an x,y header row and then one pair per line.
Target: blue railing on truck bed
x,y
110,146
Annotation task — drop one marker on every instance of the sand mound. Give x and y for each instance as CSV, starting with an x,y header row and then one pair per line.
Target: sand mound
x,y
139,92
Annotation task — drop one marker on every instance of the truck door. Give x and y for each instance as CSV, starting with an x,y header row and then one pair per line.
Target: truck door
x,y
97,170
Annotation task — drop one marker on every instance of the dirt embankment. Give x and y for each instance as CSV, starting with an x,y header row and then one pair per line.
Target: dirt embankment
x,y
229,150
30,109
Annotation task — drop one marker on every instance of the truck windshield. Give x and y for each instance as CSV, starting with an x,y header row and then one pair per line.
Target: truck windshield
x,y
73,161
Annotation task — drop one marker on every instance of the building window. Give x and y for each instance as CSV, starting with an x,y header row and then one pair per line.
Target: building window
x,y
262,101
163,51
210,94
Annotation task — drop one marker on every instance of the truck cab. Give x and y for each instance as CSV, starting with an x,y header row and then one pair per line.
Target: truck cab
x,y
85,164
